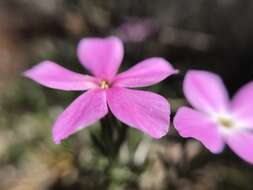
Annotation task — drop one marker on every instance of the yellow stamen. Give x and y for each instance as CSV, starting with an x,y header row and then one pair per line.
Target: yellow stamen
x,y
225,122
104,84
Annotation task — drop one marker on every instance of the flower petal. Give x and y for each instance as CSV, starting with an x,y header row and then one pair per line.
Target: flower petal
x,y
242,104
191,123
145,111
146,73
52,75
205,91
102,56
84,111
241,143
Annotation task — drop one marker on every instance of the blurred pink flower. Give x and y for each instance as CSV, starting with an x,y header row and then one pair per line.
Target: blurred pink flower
x,y
136,29
216,120
145,111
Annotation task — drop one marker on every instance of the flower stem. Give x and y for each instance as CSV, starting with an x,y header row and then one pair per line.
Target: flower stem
x,y
108,142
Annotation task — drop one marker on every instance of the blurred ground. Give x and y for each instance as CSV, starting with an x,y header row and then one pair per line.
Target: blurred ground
x,y
212,35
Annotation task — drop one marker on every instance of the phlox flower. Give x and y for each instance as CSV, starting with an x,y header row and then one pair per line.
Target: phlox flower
x,y
216,120
136,29
146,111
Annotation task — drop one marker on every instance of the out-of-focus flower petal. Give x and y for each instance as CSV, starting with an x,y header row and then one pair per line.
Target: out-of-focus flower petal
x,y
205,91
136,29
241,143
146,73
242,104
52,75
84,111
102,56
145,111
194,124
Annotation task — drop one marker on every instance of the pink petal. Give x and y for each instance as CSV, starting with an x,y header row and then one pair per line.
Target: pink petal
x,y
191,123
84,111
242,103
205,91
52,75
242,144
146,73
102,56
145,111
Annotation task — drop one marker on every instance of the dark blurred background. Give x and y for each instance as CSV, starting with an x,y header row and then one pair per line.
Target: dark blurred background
x,y
212,35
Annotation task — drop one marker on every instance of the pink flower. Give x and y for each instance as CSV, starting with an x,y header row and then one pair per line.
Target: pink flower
x,y
137,29
145,111
216,120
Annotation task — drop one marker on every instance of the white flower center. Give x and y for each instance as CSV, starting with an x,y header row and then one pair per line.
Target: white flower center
x,y
229,123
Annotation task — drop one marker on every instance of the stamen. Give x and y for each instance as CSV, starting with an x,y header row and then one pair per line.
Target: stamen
x,y
225,122
104,84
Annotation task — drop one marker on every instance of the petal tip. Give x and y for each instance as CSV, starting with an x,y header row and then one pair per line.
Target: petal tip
x,y
161,135
176,71
25,74
170,69
29,74
58,139
57,136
